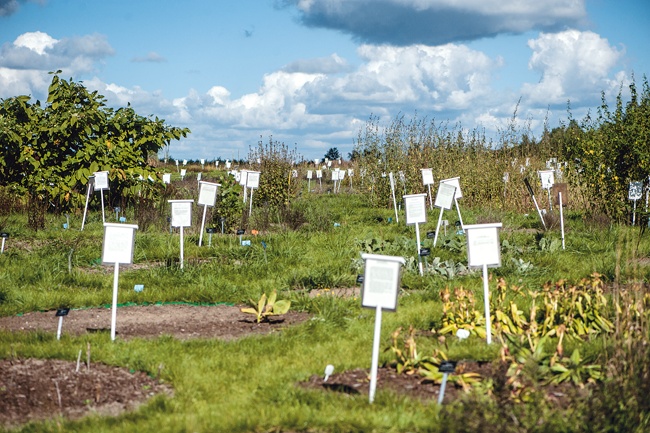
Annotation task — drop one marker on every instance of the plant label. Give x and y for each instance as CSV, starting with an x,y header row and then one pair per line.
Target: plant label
x,y
253,179
319,174
547,178
350,172
138,288
207,193
62,312
335,175
101,180
181,213
416,209
425,252
483,247
455,181
211,230
243,175
119,240
381,279
228,165
246,243
445,196
240,232
431,235
636,191
183,172
167,178
359,279
309,174
427,176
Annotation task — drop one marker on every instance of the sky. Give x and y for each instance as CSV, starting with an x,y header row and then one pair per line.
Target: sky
x,y
310,73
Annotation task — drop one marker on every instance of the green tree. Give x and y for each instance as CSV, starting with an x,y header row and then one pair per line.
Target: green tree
x,y
332,154
50,151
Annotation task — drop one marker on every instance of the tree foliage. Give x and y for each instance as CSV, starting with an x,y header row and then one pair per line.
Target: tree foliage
x,y
49,151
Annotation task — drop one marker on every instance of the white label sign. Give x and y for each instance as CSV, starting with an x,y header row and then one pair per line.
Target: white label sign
x,y
119,240
253,179
547,177
427,176
416,208
319,174
183,172
636,191
181,213
335,175
207,193
455,181
381,281
167,178
243,175
101,180
483,246
445,196
309,174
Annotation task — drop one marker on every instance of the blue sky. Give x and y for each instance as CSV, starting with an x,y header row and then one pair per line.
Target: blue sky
x,y
311,72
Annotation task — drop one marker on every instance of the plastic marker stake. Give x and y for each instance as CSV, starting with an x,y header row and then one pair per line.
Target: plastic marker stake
x,y
138,288
60,313
4,237
446,367
328,372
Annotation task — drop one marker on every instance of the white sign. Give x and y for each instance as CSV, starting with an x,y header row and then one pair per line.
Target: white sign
x,y
335,175
416,208
228,164
243,175
183,172
181,213
167,178
319,174
427,176
101,180
381,281
198,176
483,246
547,177
253,179
455,181
119,240
445,196
309,174
350,172
207,193
636,191
341,174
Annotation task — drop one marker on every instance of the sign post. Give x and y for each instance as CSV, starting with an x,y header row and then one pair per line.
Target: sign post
x,y
101,183
483,250
561,198
119,242
309,176
181,217
547,177
381,282
90,186
444,200
635,193
252,182
455,181
392,190
207,197
416,213
427,180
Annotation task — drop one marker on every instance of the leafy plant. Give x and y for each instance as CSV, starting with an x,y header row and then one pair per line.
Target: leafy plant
x,y
266,307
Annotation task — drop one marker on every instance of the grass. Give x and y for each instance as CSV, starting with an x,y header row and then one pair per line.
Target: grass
x,y
248,385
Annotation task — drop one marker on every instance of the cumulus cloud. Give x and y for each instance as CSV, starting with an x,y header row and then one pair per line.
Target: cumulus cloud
x,y
436,22
571,63
38,52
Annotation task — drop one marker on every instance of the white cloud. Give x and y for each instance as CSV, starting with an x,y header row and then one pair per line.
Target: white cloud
x,y
571,63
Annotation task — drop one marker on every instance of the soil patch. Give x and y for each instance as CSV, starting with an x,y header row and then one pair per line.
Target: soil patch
x,y
35,389
152,321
